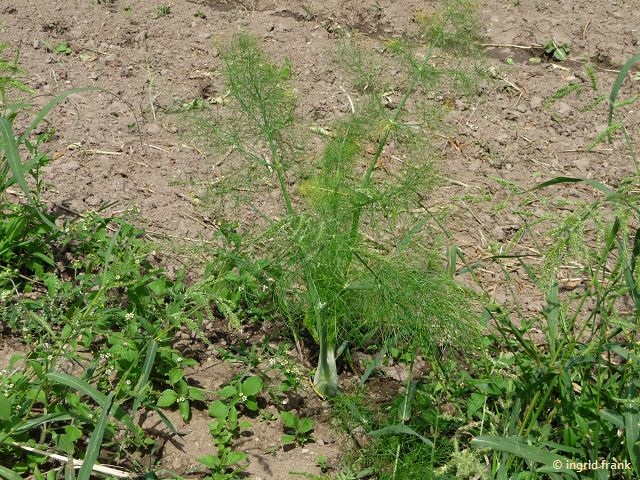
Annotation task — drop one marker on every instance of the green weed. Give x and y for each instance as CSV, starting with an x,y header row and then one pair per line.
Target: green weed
x,y
162,11
299,429
576,396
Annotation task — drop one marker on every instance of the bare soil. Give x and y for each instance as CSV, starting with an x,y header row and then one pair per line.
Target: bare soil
x,y
126,148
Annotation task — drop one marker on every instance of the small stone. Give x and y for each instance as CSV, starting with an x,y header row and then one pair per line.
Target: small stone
x,y
563,108
141,36
502,138
396,372
498,233
93,201
204,35
37,44
522,108
153,128
320,442
536,101
304,450
581,164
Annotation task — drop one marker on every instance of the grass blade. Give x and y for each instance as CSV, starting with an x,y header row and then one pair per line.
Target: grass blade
x,y
79,385
632,429
400,429
95,442
44,111
9,474
553,313
10,147
613,418
618,84
589,181
99,397
515,447
36,422
144,378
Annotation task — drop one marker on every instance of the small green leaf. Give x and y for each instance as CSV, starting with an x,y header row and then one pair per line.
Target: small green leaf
x,y
228,391
37,473
252,405
515,446
560,54
5,408
158,286
210,461
175,375
251,386
306,425
195,393
167,398
288,439
218,409
289,419
184,409
235,457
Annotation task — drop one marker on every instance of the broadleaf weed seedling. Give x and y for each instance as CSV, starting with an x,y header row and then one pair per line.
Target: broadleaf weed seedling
x,y
299,429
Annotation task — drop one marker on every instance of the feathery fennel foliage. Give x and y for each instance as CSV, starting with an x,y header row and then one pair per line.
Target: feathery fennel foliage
x,y
346,243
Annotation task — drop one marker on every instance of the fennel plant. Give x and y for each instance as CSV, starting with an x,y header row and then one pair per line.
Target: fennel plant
x,y
338,280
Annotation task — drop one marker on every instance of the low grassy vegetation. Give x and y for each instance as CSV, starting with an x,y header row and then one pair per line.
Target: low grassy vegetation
x,y
342,265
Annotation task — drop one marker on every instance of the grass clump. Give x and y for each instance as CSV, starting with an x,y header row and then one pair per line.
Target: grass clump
x,y
345,240
575,397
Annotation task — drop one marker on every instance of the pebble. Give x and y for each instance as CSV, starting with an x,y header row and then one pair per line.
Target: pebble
x,y
153,128
204,35
93,201
141,36
563,108
502,138
581,164
536,101
460,105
